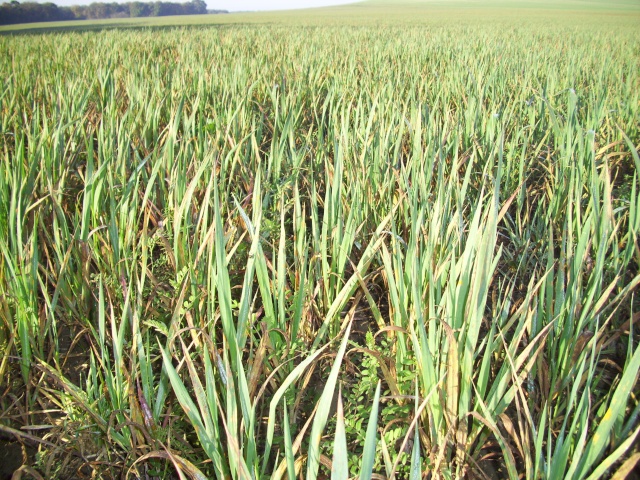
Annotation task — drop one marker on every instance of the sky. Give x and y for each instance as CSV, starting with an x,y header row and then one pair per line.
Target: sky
x,y
238,5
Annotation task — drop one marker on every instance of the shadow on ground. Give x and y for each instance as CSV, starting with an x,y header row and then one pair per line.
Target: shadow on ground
x,y
13,455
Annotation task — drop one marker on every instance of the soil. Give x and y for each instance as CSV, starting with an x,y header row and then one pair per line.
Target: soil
x,y
12,456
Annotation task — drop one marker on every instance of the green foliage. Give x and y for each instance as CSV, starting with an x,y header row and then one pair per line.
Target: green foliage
x,y
32,12
403,249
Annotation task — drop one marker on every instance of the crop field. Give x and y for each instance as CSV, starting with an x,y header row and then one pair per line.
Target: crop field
x,y
375,241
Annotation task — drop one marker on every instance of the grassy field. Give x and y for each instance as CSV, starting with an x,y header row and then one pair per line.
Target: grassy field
x,y
436,13
384,240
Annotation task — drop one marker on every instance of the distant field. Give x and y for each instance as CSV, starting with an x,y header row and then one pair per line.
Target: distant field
x,y
415,12
383,240
526,4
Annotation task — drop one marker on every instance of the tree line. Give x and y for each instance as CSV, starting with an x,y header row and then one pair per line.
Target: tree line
x,y
29,12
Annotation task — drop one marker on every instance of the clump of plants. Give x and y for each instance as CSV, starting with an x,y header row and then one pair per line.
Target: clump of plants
x,y
376,252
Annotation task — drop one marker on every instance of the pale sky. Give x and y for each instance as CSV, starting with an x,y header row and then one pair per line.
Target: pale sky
x,y
238,5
